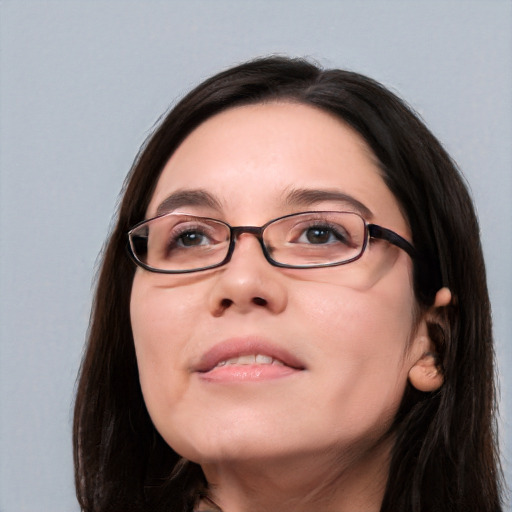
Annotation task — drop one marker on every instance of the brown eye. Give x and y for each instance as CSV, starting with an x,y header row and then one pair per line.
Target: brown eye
x,y
319,235
323,234
191,239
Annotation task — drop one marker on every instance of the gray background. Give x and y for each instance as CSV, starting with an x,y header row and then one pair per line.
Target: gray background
x,y
82,82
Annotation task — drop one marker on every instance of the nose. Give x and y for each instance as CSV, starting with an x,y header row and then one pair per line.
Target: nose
x,y
248,282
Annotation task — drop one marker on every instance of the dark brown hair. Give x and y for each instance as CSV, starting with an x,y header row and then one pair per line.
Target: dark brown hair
x,y
445,456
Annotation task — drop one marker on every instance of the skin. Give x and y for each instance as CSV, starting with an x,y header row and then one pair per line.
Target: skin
x,y
318,437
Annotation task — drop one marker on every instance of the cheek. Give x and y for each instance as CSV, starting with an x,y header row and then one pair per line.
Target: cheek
x,y
378,320
161,321
362,340
162,314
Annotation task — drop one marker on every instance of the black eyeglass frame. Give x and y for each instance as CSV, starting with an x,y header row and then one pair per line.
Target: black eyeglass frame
x,y
371,231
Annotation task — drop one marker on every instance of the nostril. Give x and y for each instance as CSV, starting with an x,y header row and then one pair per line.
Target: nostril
x,y
259,301
225,303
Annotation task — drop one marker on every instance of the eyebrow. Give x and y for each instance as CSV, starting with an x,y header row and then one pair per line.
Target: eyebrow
x,y
193,197
294,198
308,197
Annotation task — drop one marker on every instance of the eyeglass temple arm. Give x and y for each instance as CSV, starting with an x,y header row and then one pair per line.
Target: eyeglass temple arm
x,y
391,237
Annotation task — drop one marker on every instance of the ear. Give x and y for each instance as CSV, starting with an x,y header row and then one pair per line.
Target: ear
x,y
425,374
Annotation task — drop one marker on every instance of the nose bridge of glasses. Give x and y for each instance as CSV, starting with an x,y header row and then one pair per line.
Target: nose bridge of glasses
x,y
256,231
253,230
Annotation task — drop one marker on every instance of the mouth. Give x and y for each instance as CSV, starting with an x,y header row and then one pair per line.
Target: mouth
x,y
247,360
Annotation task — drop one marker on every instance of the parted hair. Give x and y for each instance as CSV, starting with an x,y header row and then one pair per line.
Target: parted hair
x,y
445,455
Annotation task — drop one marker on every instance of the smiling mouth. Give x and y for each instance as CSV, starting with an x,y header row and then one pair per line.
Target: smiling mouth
x,y
240,360
251,359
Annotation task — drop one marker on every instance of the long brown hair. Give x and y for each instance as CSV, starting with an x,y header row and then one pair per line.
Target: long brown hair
x,y
445,455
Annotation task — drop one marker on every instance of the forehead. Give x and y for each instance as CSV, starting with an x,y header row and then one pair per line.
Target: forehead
x,y
251,158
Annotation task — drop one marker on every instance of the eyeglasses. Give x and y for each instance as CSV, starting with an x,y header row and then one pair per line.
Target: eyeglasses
x,y
177,243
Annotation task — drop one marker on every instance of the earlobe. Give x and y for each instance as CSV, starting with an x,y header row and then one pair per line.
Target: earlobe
x,y
425,374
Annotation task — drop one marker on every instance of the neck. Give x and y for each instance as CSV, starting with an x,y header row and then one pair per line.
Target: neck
x,y
301,484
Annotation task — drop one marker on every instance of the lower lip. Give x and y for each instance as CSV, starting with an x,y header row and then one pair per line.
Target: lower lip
x,y
248,373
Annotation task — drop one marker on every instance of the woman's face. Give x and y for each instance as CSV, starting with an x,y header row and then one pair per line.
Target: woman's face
x,y
342,338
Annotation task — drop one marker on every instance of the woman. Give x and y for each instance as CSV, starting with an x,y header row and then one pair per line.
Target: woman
x,y
304,321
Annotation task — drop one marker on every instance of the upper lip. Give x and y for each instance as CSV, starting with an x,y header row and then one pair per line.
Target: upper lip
x,y
237,347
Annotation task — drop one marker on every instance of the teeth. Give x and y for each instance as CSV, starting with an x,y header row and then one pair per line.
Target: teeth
x,y
250,359
245,360
261,359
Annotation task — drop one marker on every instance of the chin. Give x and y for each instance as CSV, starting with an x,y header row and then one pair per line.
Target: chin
x,y
210,441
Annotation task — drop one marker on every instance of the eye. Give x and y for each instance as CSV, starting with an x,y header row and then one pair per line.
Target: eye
x,y
191,239
185,236
322,234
